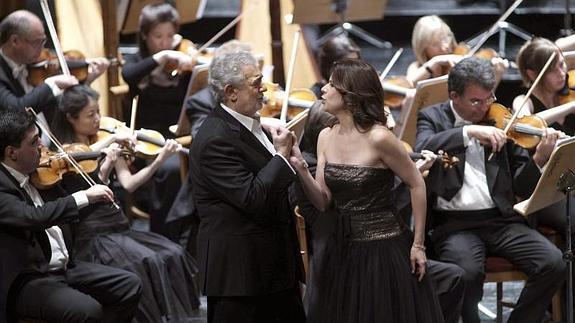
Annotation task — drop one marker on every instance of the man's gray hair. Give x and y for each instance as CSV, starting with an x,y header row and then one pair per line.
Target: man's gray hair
x,y
17,23
471,70
227,70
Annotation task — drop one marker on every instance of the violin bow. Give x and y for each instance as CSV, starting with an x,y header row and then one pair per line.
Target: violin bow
x,y
133,113
389,66
54,36
291,69
61,150
227,27
526,98
491,30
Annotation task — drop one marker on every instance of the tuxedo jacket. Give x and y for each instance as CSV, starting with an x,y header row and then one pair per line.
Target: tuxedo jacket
x,y
24,245
247,243
510,173
12,95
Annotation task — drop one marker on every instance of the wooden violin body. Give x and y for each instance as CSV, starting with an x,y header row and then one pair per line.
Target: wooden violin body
x,y
525,132
298,101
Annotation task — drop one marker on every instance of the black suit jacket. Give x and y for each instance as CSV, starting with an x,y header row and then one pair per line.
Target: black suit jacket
x,y
247,243
24,245
12,95
510,173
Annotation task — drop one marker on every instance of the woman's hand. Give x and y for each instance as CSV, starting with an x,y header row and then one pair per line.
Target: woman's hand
x,y
428,159
418,260
170,148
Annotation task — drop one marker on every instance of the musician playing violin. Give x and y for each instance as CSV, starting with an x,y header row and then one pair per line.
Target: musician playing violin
x,y
434,46
39,277
546,100
472,204
161,95
22,38
105,235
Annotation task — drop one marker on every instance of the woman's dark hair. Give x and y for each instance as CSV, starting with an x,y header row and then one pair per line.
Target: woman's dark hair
x,y
152,15
361,90
72,101
334,49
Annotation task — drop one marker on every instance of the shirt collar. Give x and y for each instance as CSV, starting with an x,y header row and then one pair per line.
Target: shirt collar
x,y
15,67
20,178
249,123
459,121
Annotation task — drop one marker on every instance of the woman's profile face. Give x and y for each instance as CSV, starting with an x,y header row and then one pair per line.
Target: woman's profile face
x,y
88,121
160,37
332,98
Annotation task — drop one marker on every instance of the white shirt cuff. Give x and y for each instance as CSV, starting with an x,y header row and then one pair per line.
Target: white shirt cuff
x,y
55,89
278,154
465,136
81,199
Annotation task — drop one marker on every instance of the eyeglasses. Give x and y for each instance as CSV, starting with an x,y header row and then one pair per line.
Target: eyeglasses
x,y
36,43
479,102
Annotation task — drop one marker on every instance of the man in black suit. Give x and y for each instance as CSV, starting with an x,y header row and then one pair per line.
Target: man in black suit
x,y
22,39
37,276
472,212
248,250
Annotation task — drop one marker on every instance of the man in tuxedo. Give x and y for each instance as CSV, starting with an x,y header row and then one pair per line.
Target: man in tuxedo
x,y
38,278
472,204
247,244
22,39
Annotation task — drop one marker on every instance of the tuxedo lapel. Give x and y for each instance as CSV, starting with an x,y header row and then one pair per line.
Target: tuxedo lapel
x,y
243,134
492,167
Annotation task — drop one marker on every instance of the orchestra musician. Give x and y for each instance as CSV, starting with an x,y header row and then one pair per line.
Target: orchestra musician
x,y
240,182
104,235
22,39
472,204
161,95
39,277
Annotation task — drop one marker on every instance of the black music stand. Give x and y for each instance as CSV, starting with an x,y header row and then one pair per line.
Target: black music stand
x,y
503,28
556,183
341,11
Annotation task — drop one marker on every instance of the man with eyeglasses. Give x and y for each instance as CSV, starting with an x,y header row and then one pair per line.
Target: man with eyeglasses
x,y
472,213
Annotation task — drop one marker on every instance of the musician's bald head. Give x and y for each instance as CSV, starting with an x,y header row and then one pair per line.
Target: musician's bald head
x,y
22,36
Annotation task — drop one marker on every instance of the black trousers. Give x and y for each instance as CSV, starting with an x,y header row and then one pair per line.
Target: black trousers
x,y
449,287
85,293
282,307
532,253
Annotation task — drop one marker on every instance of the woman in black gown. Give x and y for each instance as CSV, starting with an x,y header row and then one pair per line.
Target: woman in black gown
x,y
104,236
377,268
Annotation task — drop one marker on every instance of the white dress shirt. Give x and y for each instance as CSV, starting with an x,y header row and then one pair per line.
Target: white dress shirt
x,y
255,128
474,192
60,256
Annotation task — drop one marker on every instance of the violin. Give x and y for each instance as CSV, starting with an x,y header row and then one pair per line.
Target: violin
x,y
54,165
395,88
444,158
525,132
48,65
463,49
298,101
149,142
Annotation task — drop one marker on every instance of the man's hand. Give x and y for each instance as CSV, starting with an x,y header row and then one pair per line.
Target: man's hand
x,y
99,193
282,140
546,145
488,135
63,81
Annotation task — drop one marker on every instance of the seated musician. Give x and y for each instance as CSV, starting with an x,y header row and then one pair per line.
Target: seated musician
x,y
38,277
161,94
22,39
104,236
472,211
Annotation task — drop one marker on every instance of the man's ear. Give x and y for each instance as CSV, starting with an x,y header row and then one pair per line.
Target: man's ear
x,y
453,95
10,153
231,93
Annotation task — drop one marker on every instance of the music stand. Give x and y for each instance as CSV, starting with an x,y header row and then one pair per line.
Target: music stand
x,y
427,92
502,28
189,11
341,12
556,183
